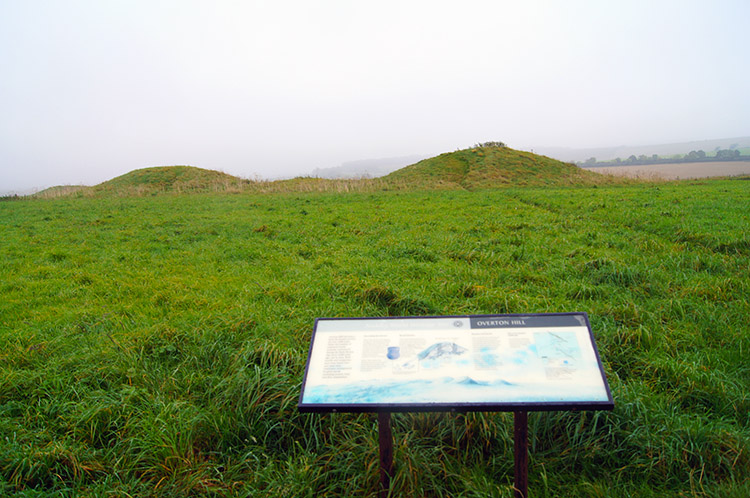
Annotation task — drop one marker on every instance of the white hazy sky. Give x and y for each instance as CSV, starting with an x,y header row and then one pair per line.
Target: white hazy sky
x,y
92,89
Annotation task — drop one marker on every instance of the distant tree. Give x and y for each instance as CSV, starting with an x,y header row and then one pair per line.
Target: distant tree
x,y
701,154
725,154
693,155
591,160
642,158
632,159
618,160
655,157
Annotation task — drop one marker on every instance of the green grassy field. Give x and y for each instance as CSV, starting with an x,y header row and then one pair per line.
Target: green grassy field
x,y
155,346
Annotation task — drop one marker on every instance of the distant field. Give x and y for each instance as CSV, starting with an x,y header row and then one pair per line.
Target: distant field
x,y
679,170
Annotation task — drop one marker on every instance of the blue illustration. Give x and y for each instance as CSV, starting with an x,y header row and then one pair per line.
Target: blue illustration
x,y
446,390
548,370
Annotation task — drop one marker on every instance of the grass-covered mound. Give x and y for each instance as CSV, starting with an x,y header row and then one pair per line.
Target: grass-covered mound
x,y
469,169
491,167
177,179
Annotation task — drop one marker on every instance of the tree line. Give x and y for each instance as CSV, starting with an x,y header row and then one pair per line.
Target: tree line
x,y
694,156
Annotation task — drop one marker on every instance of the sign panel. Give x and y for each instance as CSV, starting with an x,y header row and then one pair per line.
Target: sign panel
x,y
477,362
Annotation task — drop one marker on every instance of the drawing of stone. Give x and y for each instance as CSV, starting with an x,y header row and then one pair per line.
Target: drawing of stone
x,y
441,350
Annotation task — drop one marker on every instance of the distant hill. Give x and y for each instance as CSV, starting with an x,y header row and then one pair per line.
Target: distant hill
x,y
177,179
491,167
366,168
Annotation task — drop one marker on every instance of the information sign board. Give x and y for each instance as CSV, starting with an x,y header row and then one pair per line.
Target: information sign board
x,y
442,363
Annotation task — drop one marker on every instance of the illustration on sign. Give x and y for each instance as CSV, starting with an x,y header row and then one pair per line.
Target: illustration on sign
x,y
453,360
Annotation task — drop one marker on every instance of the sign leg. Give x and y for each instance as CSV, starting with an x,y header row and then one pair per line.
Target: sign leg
x,y
521,453
385,438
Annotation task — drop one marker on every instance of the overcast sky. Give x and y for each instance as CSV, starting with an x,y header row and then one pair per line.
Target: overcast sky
x,y
92,89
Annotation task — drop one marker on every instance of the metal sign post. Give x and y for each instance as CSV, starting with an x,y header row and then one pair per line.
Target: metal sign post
x,y
385,438
521,454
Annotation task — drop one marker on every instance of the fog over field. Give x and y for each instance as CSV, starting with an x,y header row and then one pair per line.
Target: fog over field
x,y
91,90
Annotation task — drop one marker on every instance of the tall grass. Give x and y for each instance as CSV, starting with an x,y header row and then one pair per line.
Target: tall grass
x,y
154,346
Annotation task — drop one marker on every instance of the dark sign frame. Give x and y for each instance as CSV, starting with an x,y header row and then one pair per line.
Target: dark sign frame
x,y
578,319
